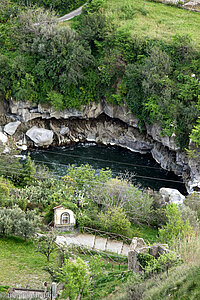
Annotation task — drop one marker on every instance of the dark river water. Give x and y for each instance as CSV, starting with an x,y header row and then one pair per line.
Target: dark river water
x,y
147,173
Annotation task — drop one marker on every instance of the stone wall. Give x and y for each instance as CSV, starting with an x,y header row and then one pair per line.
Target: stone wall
x,y
139,246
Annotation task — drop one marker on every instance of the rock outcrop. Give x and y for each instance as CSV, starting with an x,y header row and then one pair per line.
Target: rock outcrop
x,y
26,111
100,123
11,127
3,138
155,131
40,136
137,243
170,196
187,4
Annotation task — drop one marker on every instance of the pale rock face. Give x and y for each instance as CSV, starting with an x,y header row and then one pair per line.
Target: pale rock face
x,y
40,136
171,196
26,112
137,243
92,110
122,132
111,133
64,130
11,127
155,131
194,182
121,112
3,138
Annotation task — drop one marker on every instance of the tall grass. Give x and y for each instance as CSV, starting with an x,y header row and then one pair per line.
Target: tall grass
x,y
154,20
188,248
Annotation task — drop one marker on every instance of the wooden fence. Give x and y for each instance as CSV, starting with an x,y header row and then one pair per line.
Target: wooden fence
x,y
112,236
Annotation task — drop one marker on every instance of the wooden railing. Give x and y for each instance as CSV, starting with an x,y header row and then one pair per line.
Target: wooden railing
x,y
112,236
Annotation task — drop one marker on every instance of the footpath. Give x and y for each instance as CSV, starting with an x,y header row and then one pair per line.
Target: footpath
x,y
71,15
93,242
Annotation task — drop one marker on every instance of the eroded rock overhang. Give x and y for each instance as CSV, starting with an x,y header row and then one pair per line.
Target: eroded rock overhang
x,y
100,123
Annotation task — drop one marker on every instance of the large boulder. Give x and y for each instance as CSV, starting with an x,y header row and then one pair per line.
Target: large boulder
x,y
137,243
64,131
171,196
11,127
40,136
3,138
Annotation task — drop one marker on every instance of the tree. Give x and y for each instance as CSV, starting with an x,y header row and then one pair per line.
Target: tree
x,y
59,52
4,190
28,225
17,222
175,226
76,279
11,168
45,243
6,222
195,134
188,214
85,177
29,171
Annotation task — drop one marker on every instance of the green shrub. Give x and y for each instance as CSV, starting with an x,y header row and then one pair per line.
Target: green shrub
x,y
4,190
115,220
76,279
151,265
122,193
145,259
84,220
4,288
188,214
56,100
195,134
61,7
175,226
94,6
193,201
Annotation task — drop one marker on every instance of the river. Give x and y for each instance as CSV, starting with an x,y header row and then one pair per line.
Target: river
x,y
147,173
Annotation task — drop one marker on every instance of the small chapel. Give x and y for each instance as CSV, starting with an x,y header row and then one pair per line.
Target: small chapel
x,y
64,219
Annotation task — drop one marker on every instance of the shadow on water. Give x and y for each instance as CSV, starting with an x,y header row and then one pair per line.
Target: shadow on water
x,y
147,172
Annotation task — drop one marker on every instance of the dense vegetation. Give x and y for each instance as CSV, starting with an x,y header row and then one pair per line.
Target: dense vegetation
x,y
104,55
101,202
61,7
181,282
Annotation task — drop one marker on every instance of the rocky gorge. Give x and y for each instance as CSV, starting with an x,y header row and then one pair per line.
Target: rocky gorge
x,y
34,125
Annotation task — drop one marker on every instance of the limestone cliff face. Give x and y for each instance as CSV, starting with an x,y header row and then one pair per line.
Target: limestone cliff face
x,y
96,122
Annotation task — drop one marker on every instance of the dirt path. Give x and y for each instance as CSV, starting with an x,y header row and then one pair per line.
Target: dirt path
x,y
71,15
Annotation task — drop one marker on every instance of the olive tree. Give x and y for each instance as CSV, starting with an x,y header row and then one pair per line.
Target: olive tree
x,y
6,222
45,243
17,222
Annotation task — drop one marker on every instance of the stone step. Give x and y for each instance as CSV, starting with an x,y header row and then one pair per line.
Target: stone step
x,y
85,240
114,246
100,243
